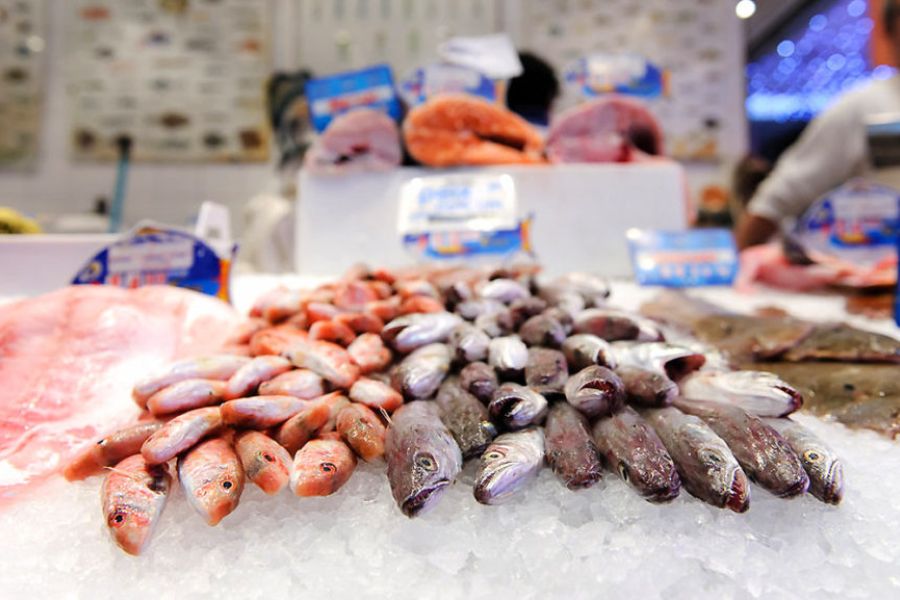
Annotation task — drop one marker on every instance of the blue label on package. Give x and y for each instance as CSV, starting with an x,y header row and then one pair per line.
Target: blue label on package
x,y
697,257
444,245
159,256
441,78
330,96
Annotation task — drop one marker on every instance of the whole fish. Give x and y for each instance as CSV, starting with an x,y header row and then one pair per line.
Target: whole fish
x,y
841,342
422,371
633,450
707,468
644,387
181,433
764,455
261,368
186,395
571,451
596,391
370,353
542,330
508,464
362,430
584,350
757,392
422,457
266,463
410,332
506,291
468,343
480,380
328,360
375,394
515,406
672,360
133,497
466,418
546,371
261,412
825,470
300,383
302,427
321,467
508,355
218,367
611,325
213,478
109,450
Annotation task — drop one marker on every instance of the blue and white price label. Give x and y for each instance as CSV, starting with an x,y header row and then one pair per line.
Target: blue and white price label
x,y
696,257
457,203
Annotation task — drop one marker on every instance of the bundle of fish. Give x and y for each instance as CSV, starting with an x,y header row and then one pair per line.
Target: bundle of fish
x,y
425,369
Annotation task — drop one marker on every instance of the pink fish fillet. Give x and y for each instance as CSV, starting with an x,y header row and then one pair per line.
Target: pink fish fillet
x,y
68,361
609,129
360,140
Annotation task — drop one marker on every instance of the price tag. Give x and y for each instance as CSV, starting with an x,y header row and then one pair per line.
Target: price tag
x,y
441,78
457,203
697,257
626,73
368,88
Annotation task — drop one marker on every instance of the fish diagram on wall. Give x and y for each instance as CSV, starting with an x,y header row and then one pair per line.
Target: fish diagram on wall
x,y
185,80
22,40
687,40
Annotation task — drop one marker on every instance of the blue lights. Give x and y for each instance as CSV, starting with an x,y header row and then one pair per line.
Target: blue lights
x,y
820,55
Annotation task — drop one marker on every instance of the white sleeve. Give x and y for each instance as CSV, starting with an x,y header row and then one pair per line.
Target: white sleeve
x,y
831,150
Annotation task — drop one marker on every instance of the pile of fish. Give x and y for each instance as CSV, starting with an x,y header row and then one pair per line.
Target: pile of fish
x,y
427,368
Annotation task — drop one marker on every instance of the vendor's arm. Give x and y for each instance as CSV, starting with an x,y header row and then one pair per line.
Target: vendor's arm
x,y
831,150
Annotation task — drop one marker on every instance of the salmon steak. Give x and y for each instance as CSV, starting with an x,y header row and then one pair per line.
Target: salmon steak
x,y
69,360
457,130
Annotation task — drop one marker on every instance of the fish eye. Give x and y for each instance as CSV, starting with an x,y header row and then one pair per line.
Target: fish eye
x,y
623,471
812,456
427,462
493,455
712,457
328,467
268,457
117,519
227,485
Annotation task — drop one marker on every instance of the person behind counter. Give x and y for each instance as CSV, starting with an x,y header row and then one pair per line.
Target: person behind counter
x,y
831,150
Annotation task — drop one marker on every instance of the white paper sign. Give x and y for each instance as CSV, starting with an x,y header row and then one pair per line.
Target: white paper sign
x,y
457,203
494,55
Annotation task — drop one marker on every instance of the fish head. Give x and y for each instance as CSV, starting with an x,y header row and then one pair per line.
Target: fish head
x,y
506,465
428,475
825,467
729,478
131,521
517,406
767,388
216,490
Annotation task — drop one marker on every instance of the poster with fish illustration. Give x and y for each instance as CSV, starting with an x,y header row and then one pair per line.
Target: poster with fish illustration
x,y
22,41
185,79
685,49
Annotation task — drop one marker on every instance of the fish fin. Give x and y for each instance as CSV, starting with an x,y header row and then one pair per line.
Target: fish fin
x,y
385,415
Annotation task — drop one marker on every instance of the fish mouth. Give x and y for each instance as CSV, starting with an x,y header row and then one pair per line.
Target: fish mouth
x,y
665,494
678,368
795,397
798,488
738,498
834,490
415,504
508,406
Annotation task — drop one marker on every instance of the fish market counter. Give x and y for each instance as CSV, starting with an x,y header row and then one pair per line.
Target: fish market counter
x,y
548,542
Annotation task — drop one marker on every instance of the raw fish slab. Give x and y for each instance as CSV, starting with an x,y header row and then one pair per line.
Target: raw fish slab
x,y
550,543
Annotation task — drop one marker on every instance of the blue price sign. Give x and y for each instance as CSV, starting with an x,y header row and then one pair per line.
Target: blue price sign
x,y
691,258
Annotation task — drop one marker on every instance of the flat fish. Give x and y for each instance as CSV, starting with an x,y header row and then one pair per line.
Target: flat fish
x,y
707,468
508,464
763,454
133,497
824,467
841,342
422,457
213,479
632,449
571,451
466,418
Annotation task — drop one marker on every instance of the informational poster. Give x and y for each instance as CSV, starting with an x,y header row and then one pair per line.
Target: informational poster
x,y
22,41
184,79
694,46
